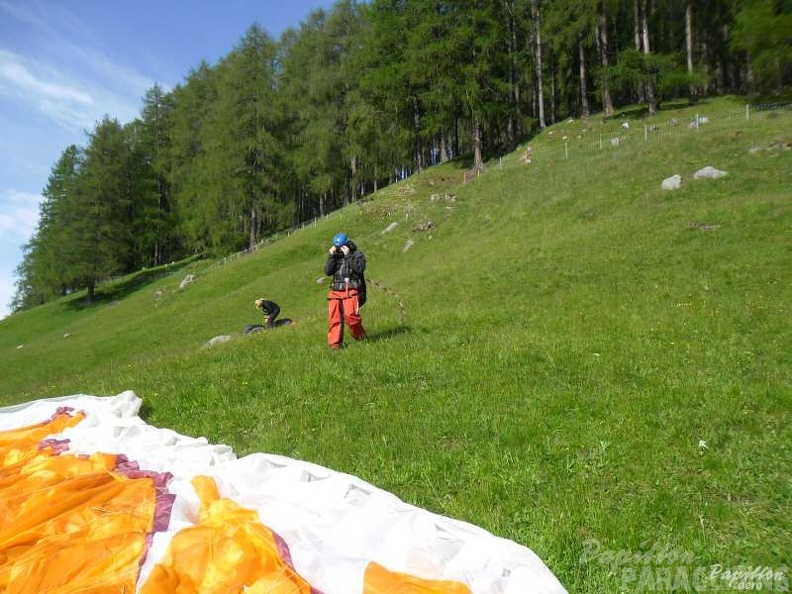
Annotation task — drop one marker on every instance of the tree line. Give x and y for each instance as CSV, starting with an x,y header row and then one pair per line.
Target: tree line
x,y
281,131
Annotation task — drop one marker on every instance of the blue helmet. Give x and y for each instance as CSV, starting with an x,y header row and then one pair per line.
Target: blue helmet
x,y
340,239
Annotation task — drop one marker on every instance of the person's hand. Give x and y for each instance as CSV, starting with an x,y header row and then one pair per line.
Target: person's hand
x,y
345,250
332,250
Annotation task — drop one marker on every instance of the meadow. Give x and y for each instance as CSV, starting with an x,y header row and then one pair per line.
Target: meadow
x,y
560,352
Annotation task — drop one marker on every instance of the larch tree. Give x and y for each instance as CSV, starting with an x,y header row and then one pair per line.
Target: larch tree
x,y
43,274
157,232
188,171
97,231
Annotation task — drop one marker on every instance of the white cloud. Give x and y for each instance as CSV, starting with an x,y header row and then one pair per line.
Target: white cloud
x,y
19,213
19,76
22,14
114,74
6,294
68,78
74,102
37,85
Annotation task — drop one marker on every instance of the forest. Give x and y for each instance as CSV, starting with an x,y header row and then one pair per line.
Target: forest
x,y
279,132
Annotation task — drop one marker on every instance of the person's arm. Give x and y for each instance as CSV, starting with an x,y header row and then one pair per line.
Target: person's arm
x,y
332,264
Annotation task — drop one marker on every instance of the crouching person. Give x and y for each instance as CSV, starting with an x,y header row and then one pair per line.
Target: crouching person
x,y
270,310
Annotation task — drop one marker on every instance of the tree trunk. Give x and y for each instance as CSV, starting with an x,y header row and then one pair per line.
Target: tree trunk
x,y
689,44
478,161
252,238
553,91
419,156
638,45
456,136
651,100
585,111
514,91
538,57
353,186
607,99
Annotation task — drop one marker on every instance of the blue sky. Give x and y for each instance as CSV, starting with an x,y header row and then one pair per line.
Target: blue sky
x,y
65,64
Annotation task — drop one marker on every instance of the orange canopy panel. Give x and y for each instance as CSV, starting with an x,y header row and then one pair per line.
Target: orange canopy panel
x,y
94,500
379,580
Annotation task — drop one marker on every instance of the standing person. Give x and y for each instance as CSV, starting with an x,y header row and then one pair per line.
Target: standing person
x,y
346,264
270,310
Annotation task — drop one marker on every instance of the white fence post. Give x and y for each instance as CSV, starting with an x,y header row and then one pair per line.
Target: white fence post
x,y
747,110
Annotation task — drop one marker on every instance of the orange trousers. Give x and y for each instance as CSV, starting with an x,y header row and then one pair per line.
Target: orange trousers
x,y
342,306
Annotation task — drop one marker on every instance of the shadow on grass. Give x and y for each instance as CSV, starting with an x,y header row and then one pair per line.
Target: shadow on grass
x,y
641,111
146,410
387,333
111,291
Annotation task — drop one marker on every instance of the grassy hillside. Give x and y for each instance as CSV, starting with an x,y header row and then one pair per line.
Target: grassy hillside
x,y
565,351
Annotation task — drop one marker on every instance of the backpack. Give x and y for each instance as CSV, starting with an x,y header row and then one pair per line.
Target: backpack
x,y
362,291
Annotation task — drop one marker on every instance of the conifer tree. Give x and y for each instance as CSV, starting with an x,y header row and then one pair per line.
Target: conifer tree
x,y
188,171
155,231
245,150
97,231
42,273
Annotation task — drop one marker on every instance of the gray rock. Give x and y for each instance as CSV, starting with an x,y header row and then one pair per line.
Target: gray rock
x,y
672,183
187,280
778,146
390,227
218,340
708,172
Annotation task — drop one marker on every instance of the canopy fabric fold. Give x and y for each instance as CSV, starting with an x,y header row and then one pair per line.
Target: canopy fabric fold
x,y
93,499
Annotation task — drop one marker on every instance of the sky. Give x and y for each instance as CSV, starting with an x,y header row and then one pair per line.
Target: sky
x,y
65,64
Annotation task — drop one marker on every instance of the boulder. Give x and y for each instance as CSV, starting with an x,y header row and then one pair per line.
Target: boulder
x,y
218,340
672,183
708,172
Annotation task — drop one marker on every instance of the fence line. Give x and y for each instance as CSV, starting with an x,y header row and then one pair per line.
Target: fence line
x,y
651,131
277,236
629,132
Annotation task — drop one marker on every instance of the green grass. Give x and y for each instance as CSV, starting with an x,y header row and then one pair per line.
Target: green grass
x,y
570,333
